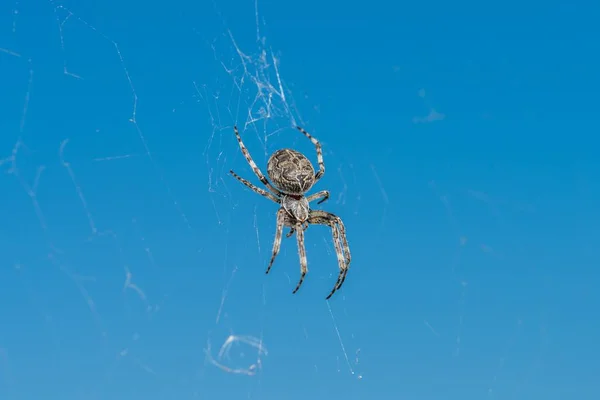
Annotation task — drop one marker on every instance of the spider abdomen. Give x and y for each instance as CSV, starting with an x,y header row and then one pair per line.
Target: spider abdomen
x,y
290,171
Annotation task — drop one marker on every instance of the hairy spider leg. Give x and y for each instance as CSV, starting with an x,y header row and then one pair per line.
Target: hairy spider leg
x,y
343,270
317,144
302,255
323,193
342,250
253,165
258,190
281,217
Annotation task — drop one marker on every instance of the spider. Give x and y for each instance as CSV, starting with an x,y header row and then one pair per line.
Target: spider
x,y
293,175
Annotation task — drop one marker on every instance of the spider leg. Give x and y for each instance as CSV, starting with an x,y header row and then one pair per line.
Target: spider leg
x,y
258,190
253,165
281,214
324,194
314,141
293,229
302,255
340,242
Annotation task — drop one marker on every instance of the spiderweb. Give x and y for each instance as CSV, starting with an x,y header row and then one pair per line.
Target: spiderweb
x,y
119,249
253,94
133,264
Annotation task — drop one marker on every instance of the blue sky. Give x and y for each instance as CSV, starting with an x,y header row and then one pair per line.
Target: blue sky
x,y
461,153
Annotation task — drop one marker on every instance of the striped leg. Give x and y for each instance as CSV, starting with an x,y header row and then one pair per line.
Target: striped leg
x,y
281,216
340,243
323,195
314,141
302,255
253,165
258,190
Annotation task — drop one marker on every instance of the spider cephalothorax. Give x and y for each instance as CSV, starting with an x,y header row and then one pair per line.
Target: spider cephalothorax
x,y
293,175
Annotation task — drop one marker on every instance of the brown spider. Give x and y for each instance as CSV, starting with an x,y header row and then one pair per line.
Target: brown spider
x,y
293,175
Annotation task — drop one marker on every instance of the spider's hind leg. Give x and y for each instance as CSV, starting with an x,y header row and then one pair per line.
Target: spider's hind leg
x,y
338,284
342,251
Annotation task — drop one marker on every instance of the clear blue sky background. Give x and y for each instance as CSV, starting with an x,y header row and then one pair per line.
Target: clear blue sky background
x,y
461,148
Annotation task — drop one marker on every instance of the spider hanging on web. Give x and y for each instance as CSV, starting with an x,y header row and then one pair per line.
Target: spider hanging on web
x,y
293,175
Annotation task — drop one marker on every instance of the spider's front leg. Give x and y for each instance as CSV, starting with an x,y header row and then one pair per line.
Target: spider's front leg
x,y
254,167
317,144
258,190
323,195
